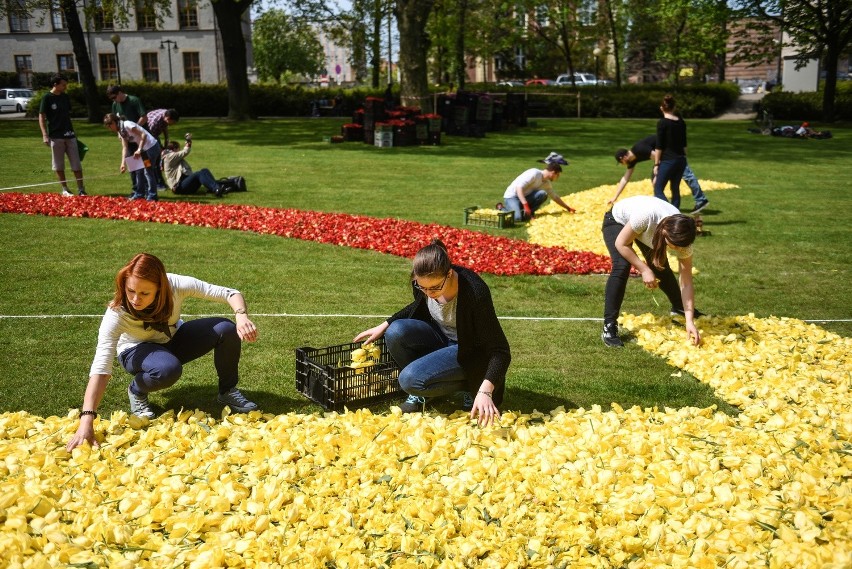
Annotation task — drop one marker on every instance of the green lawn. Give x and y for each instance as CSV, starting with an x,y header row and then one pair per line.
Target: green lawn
x,y
778,247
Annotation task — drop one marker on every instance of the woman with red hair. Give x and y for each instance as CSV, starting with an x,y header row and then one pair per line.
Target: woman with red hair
x,y
142,325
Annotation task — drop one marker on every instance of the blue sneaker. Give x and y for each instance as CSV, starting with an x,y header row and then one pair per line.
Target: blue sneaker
x,y
413,404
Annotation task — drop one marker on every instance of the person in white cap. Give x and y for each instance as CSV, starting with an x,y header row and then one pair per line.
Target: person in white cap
x,y
528,192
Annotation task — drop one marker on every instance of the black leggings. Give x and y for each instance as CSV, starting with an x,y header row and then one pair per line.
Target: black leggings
x,y
616,284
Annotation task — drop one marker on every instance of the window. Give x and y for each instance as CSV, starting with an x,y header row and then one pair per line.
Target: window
x,y
103,18
151,67
19,18
191,67
188,14
24,69
145,17
65,63
57,16
109,66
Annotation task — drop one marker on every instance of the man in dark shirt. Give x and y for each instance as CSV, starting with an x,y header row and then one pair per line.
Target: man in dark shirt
x,y
128,107
54,119
643,151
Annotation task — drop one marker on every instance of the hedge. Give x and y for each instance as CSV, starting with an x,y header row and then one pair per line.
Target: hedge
x,y
629,101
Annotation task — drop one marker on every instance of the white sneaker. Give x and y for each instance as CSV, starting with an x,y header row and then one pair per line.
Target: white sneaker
x,y
236,401
139,405
66,193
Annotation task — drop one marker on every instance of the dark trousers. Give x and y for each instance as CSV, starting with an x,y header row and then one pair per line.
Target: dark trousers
x,y
158,366
191,183
671,173
616,284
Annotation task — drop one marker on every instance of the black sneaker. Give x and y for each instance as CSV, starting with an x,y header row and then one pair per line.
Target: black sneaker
x,y
610,336
699,206
413,404
679,312
467,401
81,192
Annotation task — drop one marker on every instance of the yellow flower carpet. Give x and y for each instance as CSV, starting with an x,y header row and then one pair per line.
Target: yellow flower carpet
x,y
581,231
633,488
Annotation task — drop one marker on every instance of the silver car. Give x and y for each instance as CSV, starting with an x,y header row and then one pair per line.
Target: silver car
x,y
14,99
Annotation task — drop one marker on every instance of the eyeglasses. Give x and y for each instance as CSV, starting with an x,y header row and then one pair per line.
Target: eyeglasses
x,y
432,288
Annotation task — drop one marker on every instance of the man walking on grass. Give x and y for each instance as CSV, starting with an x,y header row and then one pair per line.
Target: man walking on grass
x,y
54,119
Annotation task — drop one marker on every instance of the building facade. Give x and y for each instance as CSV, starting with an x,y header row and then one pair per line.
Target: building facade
x,y
185,47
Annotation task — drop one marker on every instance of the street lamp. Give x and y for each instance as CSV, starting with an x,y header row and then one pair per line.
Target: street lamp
x,y
597,53
116,39
167,44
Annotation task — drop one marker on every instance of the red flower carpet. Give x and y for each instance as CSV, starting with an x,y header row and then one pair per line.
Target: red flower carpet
x,y
478,251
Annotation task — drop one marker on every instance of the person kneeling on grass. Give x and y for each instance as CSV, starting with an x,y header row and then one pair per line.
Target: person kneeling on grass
x,y
655,226
448,339
143,326
529,191
180,177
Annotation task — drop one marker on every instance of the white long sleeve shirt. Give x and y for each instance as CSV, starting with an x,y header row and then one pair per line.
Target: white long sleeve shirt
x,y
120,331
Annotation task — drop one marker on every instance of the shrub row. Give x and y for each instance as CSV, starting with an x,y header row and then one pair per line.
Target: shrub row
x,y
798,107
629,101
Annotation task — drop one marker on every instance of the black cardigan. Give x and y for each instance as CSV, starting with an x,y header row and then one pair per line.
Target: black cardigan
x,y
483,348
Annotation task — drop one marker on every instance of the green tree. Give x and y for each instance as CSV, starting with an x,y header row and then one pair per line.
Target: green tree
x,y
283,44
820,29
71,10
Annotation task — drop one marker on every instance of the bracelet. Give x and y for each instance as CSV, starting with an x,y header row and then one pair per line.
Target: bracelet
x,y
488,393
239,311
92,413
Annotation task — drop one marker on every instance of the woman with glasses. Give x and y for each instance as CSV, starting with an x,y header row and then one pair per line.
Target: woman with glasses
x,y
448,339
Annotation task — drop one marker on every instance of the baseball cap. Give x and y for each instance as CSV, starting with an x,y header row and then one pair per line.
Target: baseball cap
x,y
554,158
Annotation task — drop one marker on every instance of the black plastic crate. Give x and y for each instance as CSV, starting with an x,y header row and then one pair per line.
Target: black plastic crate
x,y
323,375
501,219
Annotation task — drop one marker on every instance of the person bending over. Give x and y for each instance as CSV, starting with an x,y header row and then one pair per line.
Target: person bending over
x,y
655,226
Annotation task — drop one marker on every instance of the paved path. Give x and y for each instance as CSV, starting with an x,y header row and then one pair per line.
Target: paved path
x,y
743,109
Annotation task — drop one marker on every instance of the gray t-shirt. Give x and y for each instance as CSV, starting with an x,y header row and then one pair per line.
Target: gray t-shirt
x,y
530,180
445,316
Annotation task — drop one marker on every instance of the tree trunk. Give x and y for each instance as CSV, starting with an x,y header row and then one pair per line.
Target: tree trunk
x,y
832,54
412,16
84,62
229,18
461,66
376,44
616,46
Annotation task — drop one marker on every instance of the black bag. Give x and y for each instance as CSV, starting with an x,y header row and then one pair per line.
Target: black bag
x,y
232,184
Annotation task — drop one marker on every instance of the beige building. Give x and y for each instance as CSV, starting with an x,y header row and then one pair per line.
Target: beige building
x,y
185,47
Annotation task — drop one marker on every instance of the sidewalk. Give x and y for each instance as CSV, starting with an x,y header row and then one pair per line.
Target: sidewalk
x,y
743,109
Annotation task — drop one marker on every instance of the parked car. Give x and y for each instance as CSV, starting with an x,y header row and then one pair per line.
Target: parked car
x,y
14,99
751,86
539,82
510,83
580,79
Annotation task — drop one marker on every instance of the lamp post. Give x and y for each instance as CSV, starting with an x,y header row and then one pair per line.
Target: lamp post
x,y
116,39
169,46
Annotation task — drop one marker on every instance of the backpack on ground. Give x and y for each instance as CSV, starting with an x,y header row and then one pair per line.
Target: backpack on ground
x,y
232,184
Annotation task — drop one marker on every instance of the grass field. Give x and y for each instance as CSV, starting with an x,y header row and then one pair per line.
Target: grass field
x,y
779,246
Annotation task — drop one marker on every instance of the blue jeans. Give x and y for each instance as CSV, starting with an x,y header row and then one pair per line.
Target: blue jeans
x,y
145,180
670,172
158,366
692,182
191,183
536,199
428,360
